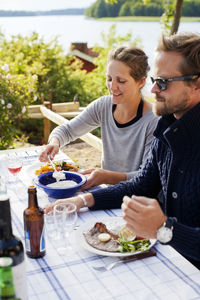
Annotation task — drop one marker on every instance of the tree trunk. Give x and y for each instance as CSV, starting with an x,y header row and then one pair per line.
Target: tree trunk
x,y
177,16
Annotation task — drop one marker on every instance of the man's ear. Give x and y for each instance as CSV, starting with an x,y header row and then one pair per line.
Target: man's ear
x,y
197,86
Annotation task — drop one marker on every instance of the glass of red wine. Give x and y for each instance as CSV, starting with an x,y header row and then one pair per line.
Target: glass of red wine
x,y
14,165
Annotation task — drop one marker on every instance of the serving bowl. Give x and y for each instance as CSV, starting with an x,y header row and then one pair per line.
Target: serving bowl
x,y
62,192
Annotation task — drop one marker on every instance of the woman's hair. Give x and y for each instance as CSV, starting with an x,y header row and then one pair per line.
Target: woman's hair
x,y
134,58
188,45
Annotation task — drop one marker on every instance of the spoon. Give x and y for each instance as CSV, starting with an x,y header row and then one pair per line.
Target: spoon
x,y
58,175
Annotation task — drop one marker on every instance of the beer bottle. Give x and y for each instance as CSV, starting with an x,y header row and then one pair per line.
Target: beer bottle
x,y
7,289
34,226
11,246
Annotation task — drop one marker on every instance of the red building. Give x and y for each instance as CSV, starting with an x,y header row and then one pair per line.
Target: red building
x,y
85,54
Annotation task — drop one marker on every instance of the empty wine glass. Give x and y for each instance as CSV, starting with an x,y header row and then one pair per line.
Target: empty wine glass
x,y
65,216
14,165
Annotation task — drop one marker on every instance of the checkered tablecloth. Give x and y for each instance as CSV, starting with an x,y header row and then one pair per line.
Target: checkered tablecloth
x,y
165,276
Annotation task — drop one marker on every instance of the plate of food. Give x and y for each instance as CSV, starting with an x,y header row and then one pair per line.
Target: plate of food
x,y
110,237
39,168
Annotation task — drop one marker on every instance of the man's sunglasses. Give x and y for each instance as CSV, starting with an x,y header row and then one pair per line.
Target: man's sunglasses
x,y
162,82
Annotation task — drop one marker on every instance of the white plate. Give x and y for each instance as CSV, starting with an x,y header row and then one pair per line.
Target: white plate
x,y
112,222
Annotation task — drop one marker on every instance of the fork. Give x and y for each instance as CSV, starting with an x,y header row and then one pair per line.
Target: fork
x,y
124,260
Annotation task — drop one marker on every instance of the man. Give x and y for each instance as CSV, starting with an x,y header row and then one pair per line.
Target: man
x,y
174,162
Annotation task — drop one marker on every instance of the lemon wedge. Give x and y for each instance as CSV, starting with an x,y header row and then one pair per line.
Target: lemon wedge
x,y
127,234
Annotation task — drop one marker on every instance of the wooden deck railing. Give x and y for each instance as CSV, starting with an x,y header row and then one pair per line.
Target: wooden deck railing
x,y
58,115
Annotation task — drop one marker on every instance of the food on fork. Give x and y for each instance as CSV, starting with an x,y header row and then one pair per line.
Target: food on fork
x,y
60,166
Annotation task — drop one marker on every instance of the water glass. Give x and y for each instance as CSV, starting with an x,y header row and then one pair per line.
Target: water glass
x,y
50,228
65,217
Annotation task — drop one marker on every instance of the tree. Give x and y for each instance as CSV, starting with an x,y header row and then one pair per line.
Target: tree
x,y
173,10
177,16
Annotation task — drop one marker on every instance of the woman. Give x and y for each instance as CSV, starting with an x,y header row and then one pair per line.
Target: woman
x,y
126,120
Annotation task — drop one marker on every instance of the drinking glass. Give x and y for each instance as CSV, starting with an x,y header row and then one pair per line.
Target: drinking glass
x,y
70,219
50,228
14,165
65,216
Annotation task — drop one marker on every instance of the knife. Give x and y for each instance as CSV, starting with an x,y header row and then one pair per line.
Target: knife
x,y
142,255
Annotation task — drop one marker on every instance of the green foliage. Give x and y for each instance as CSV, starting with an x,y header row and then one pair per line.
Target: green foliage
x,y
111,1
191,8
113,8
167,17
16,92
102,8
35,67
96,80
54,70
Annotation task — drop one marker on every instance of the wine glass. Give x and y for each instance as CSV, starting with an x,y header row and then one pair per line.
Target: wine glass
x,y
65,216
14,165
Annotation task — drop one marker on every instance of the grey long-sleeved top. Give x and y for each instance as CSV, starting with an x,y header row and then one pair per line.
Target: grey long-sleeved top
x,y
124,149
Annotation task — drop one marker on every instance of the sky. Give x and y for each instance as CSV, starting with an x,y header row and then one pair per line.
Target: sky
x,y
43,4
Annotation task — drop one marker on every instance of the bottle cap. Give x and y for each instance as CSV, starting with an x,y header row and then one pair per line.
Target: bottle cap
x,y
5,261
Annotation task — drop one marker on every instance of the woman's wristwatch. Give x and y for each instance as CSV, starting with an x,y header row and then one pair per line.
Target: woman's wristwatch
x,y
165,232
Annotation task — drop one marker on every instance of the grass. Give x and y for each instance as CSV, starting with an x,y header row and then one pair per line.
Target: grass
x,y
146,19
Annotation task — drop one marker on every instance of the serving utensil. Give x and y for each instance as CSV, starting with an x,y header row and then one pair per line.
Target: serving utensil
x,y
145,254
58,175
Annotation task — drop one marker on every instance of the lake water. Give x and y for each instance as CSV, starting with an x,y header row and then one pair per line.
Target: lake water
x,y
81,29
70,29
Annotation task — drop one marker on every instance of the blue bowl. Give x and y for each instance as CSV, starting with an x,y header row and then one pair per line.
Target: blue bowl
x,y
59,193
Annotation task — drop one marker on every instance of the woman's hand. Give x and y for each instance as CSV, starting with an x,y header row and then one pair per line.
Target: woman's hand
x,y
51,149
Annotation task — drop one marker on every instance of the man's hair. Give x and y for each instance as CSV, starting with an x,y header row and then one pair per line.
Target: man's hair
x,y
134,58
188,45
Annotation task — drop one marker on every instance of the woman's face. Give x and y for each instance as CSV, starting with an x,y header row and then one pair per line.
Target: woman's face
x,y
122,86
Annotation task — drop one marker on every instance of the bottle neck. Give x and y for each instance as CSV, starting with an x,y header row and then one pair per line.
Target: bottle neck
x,y
5,219
32,197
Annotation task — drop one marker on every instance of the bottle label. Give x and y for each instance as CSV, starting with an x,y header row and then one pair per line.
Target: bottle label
x,y
42,241
27,240
19,279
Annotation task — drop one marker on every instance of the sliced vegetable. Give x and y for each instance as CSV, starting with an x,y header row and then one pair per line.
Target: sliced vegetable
x,y
133,246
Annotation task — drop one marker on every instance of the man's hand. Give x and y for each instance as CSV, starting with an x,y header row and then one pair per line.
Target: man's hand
x,y
75,200
143,215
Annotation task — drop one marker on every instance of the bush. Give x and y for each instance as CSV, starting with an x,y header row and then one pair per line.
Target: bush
x,y
16,92
30,67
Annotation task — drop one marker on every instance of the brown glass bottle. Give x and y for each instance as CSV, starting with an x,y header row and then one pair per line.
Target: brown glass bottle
x,y
34,226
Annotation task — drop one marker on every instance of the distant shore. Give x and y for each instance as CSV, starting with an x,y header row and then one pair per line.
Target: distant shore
x,y
21,13
146,19
81,11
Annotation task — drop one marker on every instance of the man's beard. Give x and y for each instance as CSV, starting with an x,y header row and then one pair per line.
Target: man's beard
x,y
161,107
